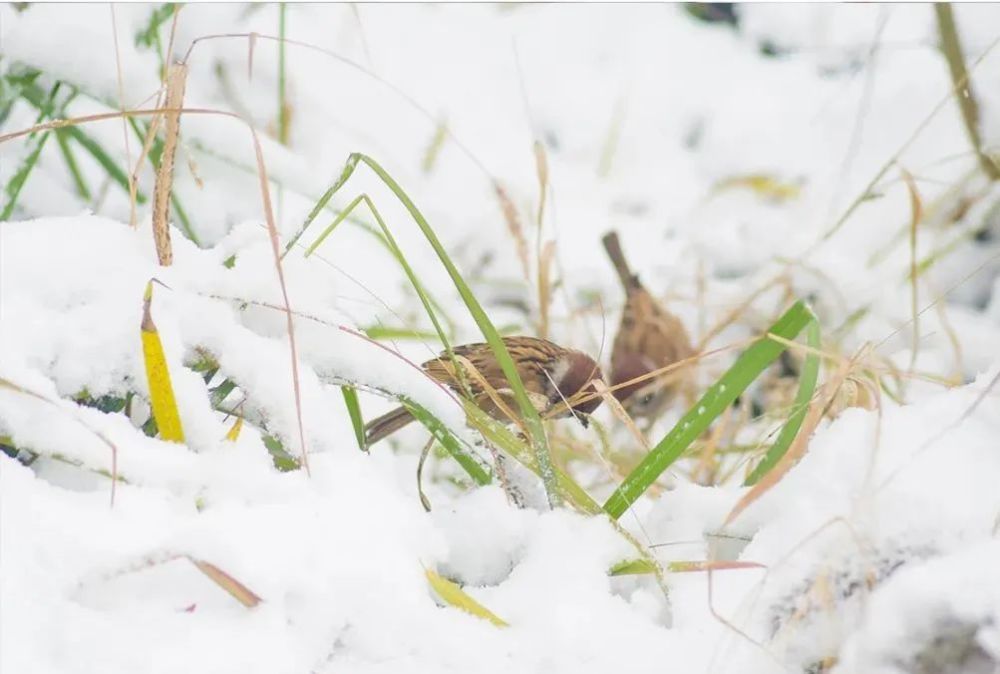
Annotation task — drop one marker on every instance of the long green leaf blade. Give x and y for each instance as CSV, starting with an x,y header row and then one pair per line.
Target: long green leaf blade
x,y
531,417
716,399
354,411
441,433
807,385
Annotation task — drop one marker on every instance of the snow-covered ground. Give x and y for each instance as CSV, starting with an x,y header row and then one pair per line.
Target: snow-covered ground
x,y
724,157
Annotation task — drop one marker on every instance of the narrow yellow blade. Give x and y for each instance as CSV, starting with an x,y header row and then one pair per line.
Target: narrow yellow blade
x,y
234,432
454,595
161,392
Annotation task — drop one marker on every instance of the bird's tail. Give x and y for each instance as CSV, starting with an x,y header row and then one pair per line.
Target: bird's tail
x,y
614,249
386,425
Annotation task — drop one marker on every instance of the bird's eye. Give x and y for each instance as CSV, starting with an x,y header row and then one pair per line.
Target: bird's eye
x,y
646,399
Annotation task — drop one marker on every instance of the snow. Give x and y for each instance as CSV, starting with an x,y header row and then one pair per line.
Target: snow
x,y
724,169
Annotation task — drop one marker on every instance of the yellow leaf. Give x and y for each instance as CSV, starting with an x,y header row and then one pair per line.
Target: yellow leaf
x,y
763,185
454,595
234,432
161,392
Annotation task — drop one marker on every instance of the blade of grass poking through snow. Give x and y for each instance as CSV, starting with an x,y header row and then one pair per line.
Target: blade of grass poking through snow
x,y
36,97
235,588
234,432
716,399
389,243
807,386
35,142
452,594
161,391
397,253
74,169
634,567
389,332
533,421
354,411
467,461
282,89
17,181
801,442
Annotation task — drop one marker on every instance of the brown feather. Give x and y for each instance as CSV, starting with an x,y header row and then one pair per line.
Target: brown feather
x,y
386,425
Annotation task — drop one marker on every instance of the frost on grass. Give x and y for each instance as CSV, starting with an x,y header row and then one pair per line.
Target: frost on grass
x,y
723,155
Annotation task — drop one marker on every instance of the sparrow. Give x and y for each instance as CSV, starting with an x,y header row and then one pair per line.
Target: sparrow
x,y
649,338
550,373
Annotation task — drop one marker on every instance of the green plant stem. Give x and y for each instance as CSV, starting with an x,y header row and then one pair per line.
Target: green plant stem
x,y
282,100
951,47
714,402
807,385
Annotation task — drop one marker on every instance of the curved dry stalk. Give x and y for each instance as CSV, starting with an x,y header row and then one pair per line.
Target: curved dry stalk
x,y
582,396
799,445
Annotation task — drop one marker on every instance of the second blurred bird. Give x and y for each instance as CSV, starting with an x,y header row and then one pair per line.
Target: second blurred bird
x,y
649,338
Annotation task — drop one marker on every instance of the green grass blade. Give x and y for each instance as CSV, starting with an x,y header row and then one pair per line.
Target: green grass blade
x,y
149,35
333,225
182,217
632,567
74,169
36,97
109,165
807,385
532,420
389,332
432,306
282,89
352,163
354,411
16,182
467,461
714,402
35,142
501,437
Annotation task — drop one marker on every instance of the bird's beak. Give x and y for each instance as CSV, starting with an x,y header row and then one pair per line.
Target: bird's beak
x,y
583,419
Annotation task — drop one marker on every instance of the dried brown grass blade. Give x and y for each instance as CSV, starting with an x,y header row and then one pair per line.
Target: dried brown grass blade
x,y
132,188
176,79
542,170
620,413
513,221
251,47
798,446
424,501
545,287
916,215
490,391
